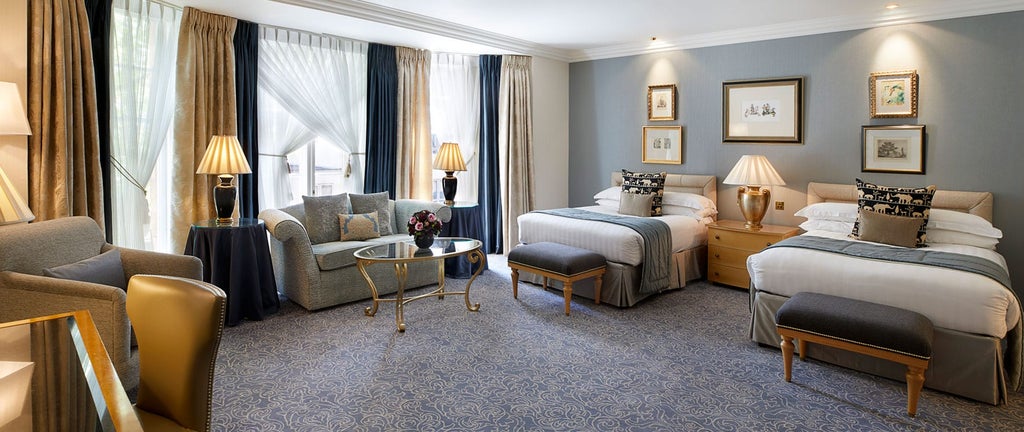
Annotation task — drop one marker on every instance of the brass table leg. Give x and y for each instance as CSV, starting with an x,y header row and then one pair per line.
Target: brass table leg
x,y
370,310
474,256
402,273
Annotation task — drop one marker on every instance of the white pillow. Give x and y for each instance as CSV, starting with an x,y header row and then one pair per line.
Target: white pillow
x,y
611,193
685,199
614,204
687,211
962,222
842,212
840,227
939,235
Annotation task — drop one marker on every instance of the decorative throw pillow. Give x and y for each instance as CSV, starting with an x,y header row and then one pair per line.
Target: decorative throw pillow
x,y
879,227
104,269
362,226
647,184
896,201
634,204
378,202
322,216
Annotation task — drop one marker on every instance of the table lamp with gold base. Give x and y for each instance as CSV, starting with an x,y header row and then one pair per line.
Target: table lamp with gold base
x,y
752,172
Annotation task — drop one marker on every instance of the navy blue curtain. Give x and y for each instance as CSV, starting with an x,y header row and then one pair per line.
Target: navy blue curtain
x,y
98,12
490,185
381,119
247,58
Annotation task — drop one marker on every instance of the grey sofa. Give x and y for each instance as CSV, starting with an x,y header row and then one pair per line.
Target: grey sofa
x,y
317,276
27,249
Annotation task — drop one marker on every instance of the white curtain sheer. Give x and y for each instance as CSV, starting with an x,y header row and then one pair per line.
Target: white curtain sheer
x,y
280,134
143,45
321,81
455,112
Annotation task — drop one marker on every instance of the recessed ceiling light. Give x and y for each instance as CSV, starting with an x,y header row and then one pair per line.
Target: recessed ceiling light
x,y
892,6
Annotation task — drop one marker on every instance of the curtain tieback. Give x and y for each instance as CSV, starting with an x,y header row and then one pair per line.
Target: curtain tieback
x,y
128,176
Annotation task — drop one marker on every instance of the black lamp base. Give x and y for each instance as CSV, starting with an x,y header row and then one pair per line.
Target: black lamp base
x,y
224,198
448,185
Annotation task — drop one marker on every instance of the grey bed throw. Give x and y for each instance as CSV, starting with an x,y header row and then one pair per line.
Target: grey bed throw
x,y
657,243
1014,338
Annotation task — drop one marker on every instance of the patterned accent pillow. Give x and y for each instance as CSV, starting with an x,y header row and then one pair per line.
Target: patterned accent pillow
x,y
646,184
362,226
378,202
896,201
322,216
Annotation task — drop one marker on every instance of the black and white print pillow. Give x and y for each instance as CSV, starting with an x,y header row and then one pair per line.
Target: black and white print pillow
x,y
896,201
645,184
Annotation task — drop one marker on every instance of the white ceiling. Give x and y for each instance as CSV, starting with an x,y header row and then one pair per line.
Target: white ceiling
x,y
576,30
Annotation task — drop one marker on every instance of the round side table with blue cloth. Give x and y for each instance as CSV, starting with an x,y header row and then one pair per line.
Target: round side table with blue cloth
x,y
236,258
467,221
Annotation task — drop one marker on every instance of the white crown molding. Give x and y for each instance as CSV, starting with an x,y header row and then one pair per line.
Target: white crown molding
x,y
399,18
801,28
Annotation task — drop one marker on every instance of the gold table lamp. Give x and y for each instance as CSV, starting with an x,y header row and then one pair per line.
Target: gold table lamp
x,y
751,173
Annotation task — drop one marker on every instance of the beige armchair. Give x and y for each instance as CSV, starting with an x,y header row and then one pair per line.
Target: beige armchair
x,y
27,249
317,276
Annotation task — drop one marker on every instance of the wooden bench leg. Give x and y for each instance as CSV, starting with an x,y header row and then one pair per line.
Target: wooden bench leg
x,y
597,290
545,285
802,344
787,356
515,283
568,295
915,380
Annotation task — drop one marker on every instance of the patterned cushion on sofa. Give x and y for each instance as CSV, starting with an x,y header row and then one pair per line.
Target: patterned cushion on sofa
x,y
897,201
647,184
363,226
322,216
375,202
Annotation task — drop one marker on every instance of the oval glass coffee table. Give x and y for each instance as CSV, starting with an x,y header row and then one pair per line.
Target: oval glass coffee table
x,y
400,254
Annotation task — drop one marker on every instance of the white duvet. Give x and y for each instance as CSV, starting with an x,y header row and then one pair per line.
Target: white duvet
x,y
617,243
952,299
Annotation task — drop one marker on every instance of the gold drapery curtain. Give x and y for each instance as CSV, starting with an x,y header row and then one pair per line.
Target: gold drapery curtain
x,y
415,161
515,144
205,106
65,177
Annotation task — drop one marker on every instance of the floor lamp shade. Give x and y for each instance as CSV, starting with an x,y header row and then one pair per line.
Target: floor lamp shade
x,y
12,122
449,159
751,173
224,157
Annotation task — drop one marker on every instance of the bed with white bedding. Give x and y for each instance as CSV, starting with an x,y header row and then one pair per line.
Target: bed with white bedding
x,y
977,346
623,247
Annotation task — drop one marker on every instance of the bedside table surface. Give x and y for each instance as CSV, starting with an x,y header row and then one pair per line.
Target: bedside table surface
x,y
735,225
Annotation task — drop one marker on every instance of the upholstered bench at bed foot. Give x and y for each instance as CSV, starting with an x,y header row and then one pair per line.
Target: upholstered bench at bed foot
x,y
560,262
872,329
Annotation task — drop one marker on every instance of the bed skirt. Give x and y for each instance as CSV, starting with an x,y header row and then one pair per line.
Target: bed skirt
x,y
621,283
963,364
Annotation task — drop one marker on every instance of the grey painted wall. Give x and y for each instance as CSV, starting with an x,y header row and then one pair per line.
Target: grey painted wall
x,y
971,102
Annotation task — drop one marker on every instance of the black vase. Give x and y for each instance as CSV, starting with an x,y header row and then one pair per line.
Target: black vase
x,y
424,241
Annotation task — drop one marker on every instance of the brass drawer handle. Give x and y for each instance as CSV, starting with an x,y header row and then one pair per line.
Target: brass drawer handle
x,y
716,274
716,255
718,237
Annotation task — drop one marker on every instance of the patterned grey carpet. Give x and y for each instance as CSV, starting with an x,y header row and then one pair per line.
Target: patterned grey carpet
x,y
679,361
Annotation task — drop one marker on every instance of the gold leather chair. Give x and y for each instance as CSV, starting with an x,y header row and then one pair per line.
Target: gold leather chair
x,y
178,323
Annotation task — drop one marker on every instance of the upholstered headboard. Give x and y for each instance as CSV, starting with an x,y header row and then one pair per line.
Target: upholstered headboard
x,y
706,185
976,203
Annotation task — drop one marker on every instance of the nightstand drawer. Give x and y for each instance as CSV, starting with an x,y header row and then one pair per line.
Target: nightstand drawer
x,y
737,277
741,240
728,256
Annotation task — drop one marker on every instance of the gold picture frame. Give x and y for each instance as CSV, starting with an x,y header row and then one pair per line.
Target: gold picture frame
x,y
661,102
663,144
893,94
893,149
763,110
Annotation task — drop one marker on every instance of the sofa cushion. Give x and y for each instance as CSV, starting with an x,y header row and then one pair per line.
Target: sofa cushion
x,y
104,269
362,226
337,254
322,216
378,202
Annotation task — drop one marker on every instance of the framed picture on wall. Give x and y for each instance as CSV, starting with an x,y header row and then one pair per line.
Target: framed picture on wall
x,y
893,149
663,144
661,102
893,94
763,110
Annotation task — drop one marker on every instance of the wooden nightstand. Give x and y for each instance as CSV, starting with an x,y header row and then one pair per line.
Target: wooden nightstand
x,y
729,245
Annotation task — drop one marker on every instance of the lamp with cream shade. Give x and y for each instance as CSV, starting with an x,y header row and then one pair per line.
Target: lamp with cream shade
x,y
224,157
12,122
751,173
449,159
